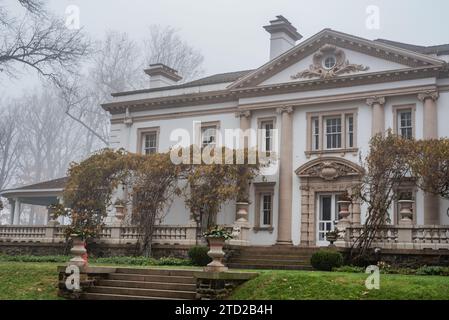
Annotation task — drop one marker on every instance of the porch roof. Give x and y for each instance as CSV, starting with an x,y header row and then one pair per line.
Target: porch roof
x,y
47,189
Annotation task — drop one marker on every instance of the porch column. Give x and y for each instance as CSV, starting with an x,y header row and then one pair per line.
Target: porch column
x,y
378,114
244,143
285,176
12,207
241,224
430,131
16,211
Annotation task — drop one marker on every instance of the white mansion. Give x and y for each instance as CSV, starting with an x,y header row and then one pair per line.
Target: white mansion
x,y
325,96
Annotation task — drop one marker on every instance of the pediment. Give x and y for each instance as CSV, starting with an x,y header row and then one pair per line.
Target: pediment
x,y
329,168
352,55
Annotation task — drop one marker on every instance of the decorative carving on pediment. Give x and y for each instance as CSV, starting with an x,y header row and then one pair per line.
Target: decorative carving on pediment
x,y
328,63
329,169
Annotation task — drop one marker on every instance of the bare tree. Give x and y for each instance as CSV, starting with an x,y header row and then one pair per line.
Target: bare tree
x,y
39,41
164,45
10,143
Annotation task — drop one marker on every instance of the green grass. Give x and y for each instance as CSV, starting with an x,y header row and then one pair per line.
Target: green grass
x,y
38,281
28,281
313,285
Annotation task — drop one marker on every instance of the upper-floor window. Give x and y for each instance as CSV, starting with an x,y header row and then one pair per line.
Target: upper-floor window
x,y
315,133
350,131
209,136
267,138
405,126
147,140
267,209
404,121
331,131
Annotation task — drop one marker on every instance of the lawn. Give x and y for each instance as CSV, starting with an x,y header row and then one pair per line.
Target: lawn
x,y
29,280
314,285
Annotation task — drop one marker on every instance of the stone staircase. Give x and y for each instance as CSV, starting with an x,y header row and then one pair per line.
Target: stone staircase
x,y
144,284
271,257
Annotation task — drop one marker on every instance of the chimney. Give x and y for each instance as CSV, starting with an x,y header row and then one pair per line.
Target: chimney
x,y
161,75
283,36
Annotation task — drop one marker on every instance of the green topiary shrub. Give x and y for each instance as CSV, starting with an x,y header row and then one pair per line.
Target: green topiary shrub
x,y
326,260
171,261
198,255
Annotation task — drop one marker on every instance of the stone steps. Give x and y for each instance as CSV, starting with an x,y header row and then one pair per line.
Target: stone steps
x,y
293,262
147,285
106,296
272,257
144,284
267,266
138,292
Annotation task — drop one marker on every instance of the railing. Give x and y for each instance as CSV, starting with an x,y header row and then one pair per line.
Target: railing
x,y
402,237
163,234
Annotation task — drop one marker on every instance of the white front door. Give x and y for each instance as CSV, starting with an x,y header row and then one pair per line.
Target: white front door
x,y
327,214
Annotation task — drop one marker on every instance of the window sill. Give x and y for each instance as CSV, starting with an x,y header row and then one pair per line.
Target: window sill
x,y
342,152
262,229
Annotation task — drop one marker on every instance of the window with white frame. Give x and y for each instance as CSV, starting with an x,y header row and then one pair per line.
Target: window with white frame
x,y
350,131
405,123
315,133
267,135
209,136
333,132
148,140
150,143
267,209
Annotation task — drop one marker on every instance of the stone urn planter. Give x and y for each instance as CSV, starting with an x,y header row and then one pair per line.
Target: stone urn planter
x,y
344,209
242,211
120,212
78,251
216,253
216,238
405,210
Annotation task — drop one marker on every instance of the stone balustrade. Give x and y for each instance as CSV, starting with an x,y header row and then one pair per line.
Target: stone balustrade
x,y
115,234
402,237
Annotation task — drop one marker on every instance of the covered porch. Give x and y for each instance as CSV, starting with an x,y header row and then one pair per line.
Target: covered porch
x,y
41,194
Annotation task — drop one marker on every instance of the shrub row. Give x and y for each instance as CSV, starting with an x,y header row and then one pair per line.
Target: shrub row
x,y
135,261
421,271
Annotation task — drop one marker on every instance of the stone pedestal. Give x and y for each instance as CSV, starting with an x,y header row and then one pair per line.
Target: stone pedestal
x,y
78,251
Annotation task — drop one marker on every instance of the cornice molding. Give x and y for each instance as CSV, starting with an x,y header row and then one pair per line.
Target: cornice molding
x,y
340,82
173,101
359,96
430,94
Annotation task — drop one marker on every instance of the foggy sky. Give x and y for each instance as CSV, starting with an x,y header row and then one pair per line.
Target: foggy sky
x,y
229,33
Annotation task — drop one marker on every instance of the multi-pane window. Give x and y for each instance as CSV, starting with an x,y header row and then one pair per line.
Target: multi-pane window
x,y
267,131
315,133
149,143
333,133
350,131
267,209
405,124
209,136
